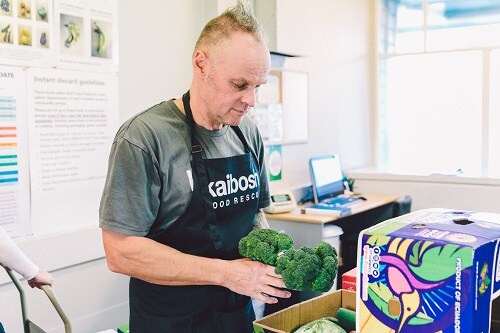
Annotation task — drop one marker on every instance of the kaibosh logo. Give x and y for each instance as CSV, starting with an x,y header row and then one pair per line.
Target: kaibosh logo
x,y
232,185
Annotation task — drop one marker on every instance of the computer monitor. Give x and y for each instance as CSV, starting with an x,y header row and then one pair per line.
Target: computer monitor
x,y
326,176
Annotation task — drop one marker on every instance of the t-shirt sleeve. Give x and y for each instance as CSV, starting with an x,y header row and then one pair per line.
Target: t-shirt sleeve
x,y
130,199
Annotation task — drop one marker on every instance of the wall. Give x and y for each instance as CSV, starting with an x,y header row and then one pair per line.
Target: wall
x,y
335,52
155,45
434,191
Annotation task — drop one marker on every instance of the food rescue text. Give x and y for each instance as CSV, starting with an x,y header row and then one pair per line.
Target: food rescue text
x,y
244,188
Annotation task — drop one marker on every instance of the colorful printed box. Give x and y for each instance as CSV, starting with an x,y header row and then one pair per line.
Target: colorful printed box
x,y
433,270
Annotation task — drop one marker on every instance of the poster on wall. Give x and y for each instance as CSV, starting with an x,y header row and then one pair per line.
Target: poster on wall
x,y
73,117
275,162
68,34
86,32
26,33
14,168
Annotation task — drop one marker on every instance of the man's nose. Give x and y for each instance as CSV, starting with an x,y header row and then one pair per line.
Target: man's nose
x,y
249,97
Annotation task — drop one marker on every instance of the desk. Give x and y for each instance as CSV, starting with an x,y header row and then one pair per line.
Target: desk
x,y
307,229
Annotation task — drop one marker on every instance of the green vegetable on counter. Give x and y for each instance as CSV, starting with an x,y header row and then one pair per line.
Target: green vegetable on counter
x,y
322,325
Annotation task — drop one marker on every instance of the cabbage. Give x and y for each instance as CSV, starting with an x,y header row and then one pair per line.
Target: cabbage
x,y
322,325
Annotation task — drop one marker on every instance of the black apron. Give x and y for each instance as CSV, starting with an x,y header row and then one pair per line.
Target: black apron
x,y
221,211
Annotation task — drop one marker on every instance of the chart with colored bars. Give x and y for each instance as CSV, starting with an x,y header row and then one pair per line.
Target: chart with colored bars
x,y
9,170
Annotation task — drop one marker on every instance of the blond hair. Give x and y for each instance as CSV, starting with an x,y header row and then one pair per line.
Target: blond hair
x,y
239,18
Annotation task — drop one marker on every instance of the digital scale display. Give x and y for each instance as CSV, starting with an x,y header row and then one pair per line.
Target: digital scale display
x,y
280,197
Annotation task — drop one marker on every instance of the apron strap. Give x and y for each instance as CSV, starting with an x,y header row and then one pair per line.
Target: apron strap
x,y
200,170
242,138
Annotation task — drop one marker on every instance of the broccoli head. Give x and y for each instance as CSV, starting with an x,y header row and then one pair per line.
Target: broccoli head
x,y
298,268
308,268
302,269
264,245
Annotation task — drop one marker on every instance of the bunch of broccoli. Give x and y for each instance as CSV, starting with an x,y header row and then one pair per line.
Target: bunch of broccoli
x,y
264,245
302,269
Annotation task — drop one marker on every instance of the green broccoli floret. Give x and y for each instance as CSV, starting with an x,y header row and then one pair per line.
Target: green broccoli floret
x,y
264,245
324,249
298,268
307,268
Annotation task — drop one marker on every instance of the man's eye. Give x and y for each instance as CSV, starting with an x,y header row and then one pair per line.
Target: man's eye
x,y
239,86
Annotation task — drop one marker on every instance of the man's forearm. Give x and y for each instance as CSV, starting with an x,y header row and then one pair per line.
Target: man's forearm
x,y
143,258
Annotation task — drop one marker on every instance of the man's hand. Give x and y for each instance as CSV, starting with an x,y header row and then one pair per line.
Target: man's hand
x,y
255,279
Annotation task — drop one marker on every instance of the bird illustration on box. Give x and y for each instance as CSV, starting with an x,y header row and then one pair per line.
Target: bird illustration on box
x,y
415,287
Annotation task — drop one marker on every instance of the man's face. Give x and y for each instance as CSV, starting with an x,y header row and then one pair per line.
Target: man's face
x,y
234,73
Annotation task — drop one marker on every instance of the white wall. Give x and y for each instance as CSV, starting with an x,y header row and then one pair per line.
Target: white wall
x,y
156,42
335,52
434,191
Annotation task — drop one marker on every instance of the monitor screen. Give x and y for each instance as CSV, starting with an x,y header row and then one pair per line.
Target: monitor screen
x,y
326,177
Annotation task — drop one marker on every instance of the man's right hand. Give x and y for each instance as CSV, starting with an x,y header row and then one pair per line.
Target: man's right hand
x,y
255,279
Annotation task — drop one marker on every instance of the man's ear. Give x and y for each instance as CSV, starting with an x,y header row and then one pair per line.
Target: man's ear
x,y
200,62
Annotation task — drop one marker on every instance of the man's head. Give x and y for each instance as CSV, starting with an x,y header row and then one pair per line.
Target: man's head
x,y
236,19
230,61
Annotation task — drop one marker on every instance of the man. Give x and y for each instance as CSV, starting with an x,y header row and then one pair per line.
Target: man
x,y
186,182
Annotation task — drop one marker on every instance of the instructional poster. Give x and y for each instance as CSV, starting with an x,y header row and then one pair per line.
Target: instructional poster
x,y
86,34
72,122
58,111
71,34
14,175
26,31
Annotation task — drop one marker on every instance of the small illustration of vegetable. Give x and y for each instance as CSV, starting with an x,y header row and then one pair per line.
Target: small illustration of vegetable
x,y
74,34
6,33
42,12
25,37
5,5
24,10
101,44
43,38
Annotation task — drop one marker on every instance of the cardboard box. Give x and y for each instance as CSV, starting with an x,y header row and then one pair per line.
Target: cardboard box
x,y
349,279
433,270
286,320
